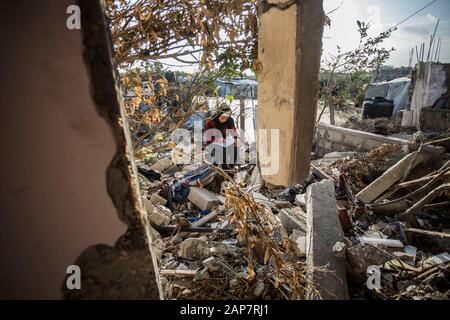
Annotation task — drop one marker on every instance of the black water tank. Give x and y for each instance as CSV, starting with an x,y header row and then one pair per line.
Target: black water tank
x,y
378,107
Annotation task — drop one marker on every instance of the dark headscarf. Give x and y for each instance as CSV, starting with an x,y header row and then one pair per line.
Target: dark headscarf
x,y
229,124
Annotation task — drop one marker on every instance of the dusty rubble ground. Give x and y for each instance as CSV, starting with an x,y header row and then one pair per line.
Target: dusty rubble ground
x,y
223,241
234,237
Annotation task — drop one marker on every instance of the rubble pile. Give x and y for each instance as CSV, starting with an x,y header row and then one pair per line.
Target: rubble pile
x,y
383,126
379,216
223,235
394,209
360,168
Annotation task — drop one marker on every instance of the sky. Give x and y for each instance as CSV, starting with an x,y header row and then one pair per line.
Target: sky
x,y
384,14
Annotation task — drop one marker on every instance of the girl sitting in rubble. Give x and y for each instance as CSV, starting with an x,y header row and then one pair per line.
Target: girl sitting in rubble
x,y
224,123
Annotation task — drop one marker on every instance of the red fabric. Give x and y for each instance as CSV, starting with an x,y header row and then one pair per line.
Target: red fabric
x,y
211,124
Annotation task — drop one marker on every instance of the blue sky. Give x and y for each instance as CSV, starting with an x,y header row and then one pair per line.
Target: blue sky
x,y
384,14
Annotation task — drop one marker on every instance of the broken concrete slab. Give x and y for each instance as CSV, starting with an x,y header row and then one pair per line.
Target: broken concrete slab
x,y
158,218
211,264
198,249
162,164
323,231
241,177
203,198
297,234
162,209
156,199
393,243
301,244
437,260
293,219
333,138
361,256
260,198
204,220
300,199
148,205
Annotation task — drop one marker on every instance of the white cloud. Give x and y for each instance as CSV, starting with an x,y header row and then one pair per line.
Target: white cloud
x,y
431,18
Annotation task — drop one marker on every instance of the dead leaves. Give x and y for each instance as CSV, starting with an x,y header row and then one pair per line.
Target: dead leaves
x,y
256,228
153,28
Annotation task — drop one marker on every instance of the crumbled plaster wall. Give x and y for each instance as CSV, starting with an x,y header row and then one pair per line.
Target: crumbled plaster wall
x,y
431,82
57,147
129,269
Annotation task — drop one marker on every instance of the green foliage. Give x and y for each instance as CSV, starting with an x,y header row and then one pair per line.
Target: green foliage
x,y
348,86
345,73
229,98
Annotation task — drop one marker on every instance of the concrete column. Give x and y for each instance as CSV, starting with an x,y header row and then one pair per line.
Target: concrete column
x,y
290,43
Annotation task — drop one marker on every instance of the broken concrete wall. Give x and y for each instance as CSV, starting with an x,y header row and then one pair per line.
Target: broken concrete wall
x,y
290,43
431,84
331,138
437,120
389,73
65,160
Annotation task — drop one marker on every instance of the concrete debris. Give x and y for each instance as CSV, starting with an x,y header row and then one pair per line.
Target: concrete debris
x,y
241,177
205,219
391,176
361,256
386,242
162,164
300,199
301,244
156,199
159,218
437,260
195,249
148,205
210,263
293,219
324,230
339,250
164,210
203,198
258,289
256,180
393,204
297,234
261,199
349,219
